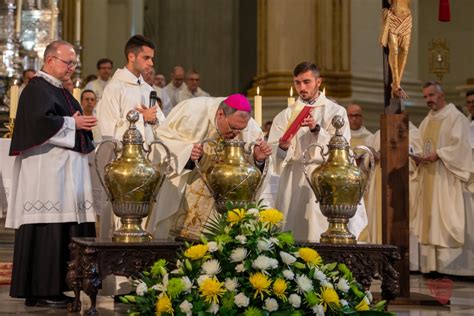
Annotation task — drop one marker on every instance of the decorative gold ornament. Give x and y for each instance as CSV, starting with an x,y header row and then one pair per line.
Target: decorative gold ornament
x,y
132,181
231,177
439,58
10,126
338,184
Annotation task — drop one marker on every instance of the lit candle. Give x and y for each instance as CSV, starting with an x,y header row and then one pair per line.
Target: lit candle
x,y
78,21
52,29
19,4
14,96
291,100
257,104
76,92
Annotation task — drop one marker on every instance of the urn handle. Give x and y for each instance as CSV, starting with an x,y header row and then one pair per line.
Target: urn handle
x,y
308,162
371,161
166,160
198,166
97,151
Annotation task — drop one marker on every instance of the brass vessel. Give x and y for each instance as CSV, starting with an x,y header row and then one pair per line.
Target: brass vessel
x,y
231,177
338,183
131,181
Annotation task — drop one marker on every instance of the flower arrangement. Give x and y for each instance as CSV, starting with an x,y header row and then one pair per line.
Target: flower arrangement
x,y
245,265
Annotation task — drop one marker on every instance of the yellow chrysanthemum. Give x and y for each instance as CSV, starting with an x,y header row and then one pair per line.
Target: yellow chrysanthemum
x,y
329,296
260,283
211,289
279,289
362,306
236,215
310,255
163,305
196,252
271,216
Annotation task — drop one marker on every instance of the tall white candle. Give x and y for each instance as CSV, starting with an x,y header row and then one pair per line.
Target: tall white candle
x,y
257,104
14,96
291,100
77,27
52,29
19,4
76,93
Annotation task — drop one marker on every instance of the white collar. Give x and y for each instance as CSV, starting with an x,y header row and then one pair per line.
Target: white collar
x,y
52,80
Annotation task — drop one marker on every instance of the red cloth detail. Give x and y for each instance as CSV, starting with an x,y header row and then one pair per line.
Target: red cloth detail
x,y
444,11
295,126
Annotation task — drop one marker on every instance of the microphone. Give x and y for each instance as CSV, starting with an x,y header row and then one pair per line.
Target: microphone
x,y
153,98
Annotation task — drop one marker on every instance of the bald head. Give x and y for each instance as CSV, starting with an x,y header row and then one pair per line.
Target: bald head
x,y
354,113
177,76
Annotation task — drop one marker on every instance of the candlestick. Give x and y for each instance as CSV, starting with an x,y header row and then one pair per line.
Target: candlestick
x,y
14,95
257,105
76,93
19,4
52,29
78,22
291,100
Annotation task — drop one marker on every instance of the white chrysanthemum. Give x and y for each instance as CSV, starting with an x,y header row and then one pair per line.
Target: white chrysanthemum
x,y
318,310
304,284
263,263
240,268
343,285
295,300
271,304
319,275
327,284
264,245
202,278
238,254
241,238
211,267
142,288
241,300
288,274
287,258
186,307
214,308
253,211
369,296
212,246
231,284
187,284
343,302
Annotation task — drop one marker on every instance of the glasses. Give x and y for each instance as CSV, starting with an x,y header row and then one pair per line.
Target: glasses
x,y
70,64
235,130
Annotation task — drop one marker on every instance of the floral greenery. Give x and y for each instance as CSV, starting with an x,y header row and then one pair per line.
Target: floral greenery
x,y
245,265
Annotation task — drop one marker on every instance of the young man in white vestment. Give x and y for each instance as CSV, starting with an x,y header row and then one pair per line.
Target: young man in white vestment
x,y
443,169
104,71
184,204
51,195
295,197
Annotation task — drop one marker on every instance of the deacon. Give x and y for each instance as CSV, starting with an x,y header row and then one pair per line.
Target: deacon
x,y
184,204
127,91
51,197
295,197
443,168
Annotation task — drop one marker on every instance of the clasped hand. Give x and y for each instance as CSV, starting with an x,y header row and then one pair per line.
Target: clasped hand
x,y
149,114
85,122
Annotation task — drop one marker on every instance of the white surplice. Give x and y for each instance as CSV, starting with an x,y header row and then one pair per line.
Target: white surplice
x,y
166,106
51,184
295,197
98,85
185,94
173,92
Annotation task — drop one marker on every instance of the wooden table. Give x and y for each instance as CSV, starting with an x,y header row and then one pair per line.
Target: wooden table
x,y
92,259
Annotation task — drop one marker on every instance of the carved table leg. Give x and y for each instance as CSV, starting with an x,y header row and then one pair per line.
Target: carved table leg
x,y
74,277
91,281
390,276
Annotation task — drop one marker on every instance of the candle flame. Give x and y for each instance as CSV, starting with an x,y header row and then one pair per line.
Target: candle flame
x,y
291,92
258,90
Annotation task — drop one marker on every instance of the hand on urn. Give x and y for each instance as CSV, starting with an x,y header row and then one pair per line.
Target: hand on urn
x,y
196,152
261,151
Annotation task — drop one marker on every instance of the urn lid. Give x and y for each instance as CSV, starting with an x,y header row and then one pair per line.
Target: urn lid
x,y
338,141
132,135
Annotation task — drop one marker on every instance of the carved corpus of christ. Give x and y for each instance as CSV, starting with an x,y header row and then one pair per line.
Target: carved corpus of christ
x,y
396,34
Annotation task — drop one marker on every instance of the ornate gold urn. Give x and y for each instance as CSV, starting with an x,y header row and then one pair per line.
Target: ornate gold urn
x,y
131,181
231,177
338,184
